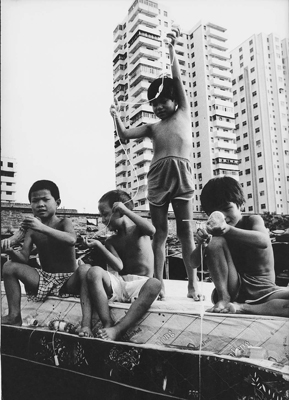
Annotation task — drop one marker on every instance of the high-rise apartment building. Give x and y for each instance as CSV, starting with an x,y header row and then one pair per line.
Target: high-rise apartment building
x,y
260,90
140,56
8,181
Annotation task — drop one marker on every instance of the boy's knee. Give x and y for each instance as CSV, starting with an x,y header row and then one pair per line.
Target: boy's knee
x,y
94,273
154,286
215,244
82,270
8,268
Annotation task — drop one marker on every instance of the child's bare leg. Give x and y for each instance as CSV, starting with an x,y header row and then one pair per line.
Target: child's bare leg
x,y
276,305
139,307
159,216
80,277
99,287
12,273
223,273
184,218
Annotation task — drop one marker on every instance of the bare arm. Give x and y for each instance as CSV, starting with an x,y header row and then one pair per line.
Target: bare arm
x,y
22,256
203,239
108,251
143,224
256,237
182,97
131,133
67,236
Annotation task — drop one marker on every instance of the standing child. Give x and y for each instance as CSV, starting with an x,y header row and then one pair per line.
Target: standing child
x,y
54,238
240,255
170,178
129,255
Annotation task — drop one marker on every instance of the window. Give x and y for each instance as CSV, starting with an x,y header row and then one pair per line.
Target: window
x,y
10,164
257,130
263,206
260,167
250,208
244,123
247,159
242,99
253,81
234,92
259,154
261,180
252,69
240,77
254,94
256,117
241,88
262,193
255,105
246,147
250,196
244,111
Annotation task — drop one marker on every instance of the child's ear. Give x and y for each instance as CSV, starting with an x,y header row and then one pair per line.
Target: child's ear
x,y
242,208
58,202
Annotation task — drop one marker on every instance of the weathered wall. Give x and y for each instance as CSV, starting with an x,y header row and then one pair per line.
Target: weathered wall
x,y
13,214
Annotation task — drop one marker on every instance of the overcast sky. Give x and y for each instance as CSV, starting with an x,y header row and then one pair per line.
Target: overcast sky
x,y
56,83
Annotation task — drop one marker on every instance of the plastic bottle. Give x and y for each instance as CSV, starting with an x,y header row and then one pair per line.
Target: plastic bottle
x,y
252,352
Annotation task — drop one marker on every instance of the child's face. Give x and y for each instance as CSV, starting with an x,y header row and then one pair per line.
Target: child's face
x,y
163,107
43,204
231,212
108,217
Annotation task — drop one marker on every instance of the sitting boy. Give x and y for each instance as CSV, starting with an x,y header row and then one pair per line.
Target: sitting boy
x,y
55,239
129,254
239,255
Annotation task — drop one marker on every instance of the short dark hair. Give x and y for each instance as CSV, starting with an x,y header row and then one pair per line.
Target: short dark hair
x,y
114,196
220,191
44,185
168,91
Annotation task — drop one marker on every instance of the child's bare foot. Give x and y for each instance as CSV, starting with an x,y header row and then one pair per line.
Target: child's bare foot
x,y
236,308
194,293
221,307
162,293
110,333
8,320
85,331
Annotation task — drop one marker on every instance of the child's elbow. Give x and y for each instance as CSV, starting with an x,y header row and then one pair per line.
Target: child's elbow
x,y
72,241
152,231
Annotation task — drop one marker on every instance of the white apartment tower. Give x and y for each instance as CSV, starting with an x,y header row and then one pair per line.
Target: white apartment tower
x,y
260,90
8,181
140,56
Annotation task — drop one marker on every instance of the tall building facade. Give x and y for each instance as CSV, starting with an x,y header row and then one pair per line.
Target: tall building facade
x,y
260,90
8,180
140,56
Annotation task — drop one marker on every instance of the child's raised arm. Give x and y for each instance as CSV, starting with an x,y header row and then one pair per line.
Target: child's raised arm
x,y
131,133
144,225
21,256
176,73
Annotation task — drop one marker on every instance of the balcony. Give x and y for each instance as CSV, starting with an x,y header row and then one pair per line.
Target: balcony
x,y
146,42
220,72
225,84
143,170
139,87
225,135
145,52
226,155
142,158
120,157
149,9
120,169
150,22
145,144
8,179
224,94
141,98
216,34
224,124
120,180
214,52
217,43
226,145
219,63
